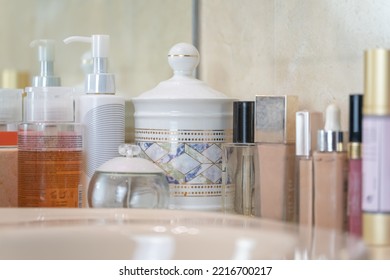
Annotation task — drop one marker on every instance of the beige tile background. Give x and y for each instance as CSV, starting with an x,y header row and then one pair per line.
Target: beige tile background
x,y
310,48
141,33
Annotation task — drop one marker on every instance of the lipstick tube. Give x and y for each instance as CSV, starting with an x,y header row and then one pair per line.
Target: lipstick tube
x,y
355,165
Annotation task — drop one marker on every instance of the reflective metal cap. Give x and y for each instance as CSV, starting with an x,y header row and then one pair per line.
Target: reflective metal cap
x,y
376,99
275,118
330,141
307,125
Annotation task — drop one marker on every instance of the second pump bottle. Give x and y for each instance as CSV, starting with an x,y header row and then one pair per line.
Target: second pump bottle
x,y
100,111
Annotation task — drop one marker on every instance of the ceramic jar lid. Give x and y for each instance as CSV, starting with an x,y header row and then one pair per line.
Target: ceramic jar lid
x,y
183,59
129,163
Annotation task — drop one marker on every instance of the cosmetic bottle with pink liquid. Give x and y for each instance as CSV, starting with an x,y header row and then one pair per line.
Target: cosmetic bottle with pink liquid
x,y
355,165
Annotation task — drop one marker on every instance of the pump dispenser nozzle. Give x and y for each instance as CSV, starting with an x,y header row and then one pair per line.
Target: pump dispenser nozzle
x,y
46,77
99,81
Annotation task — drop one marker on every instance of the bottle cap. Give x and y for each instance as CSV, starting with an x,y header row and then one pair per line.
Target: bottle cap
x,y
355,117
243,121
130,162
307,125
331,138
46,76
12,78
275,118
100,81
10,106
376,82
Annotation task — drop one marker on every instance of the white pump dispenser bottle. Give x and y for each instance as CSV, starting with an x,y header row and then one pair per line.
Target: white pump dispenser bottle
x,y
100,111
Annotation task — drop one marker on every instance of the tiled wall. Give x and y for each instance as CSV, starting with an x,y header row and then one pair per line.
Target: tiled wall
x,y
310,48
142,32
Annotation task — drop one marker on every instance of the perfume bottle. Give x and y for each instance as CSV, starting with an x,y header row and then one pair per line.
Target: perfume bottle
x,y
275,140
330,174
239,161
128,182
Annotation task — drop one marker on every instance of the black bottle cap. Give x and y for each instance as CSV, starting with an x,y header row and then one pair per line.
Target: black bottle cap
x,y
243,121
355,117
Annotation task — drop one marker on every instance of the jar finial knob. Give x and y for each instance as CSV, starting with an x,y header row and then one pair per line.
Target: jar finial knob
x,y
183,59
129,150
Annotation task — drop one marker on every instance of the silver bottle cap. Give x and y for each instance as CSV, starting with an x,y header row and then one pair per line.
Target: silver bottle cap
x,y
307,125
275,118
330,141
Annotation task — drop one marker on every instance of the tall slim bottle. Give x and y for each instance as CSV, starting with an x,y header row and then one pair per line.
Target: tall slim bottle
x,y
376,148
307,125
330,174
239,160
275,140
100,110
355,165
50,143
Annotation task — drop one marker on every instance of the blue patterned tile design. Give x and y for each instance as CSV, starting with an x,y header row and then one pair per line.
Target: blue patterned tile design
x,y
200,147
183,163
192,160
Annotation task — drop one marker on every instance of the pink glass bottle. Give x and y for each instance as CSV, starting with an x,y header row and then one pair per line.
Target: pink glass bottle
x,y
355,165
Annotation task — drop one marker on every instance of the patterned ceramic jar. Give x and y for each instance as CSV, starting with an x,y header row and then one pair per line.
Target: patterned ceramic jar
x,y
180,125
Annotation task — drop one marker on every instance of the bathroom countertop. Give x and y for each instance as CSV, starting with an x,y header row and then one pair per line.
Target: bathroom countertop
x,y
57,233
378,253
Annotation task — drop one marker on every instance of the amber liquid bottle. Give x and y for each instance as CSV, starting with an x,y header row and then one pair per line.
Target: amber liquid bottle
x,y
50,144
50,163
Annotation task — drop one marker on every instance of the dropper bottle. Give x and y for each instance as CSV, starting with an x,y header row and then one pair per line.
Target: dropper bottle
x,y
330,174
99,110
50,143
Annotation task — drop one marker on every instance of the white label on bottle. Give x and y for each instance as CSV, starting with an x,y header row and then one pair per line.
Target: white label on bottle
x,y
376,164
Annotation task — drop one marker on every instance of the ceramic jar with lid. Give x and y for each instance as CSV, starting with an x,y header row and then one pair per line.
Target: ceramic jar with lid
x,y
180,125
